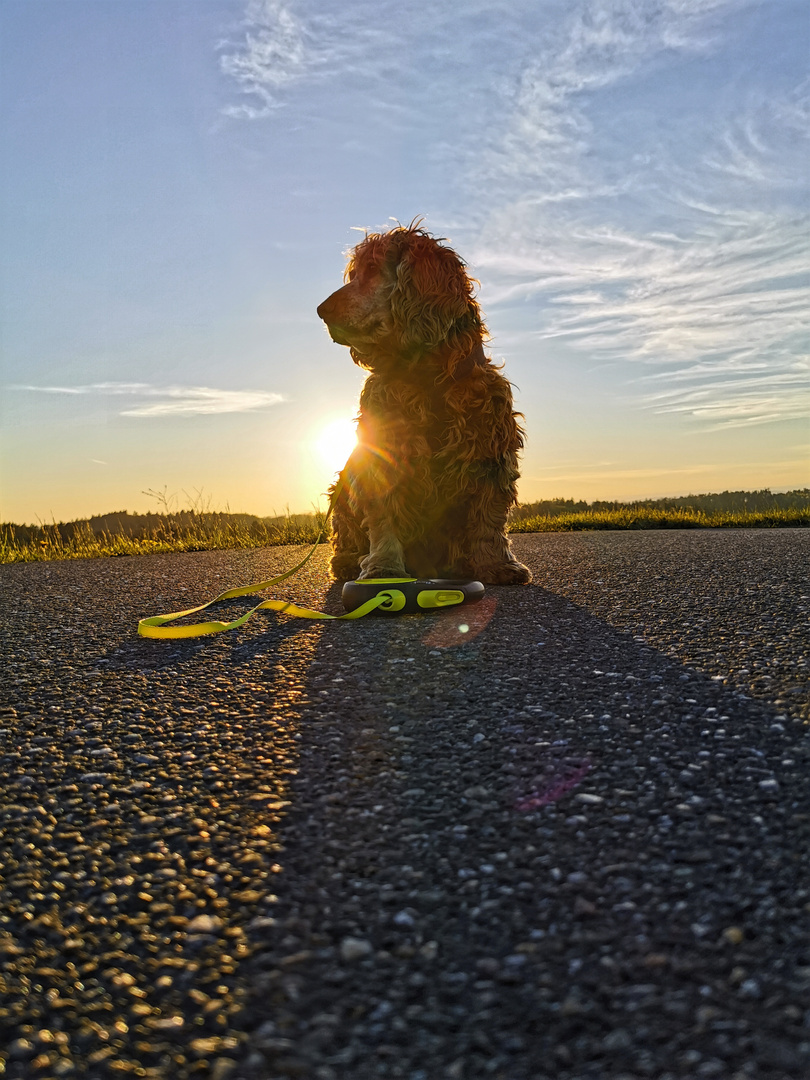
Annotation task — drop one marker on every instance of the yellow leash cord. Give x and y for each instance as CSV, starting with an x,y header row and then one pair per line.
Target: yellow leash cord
x,y
155,627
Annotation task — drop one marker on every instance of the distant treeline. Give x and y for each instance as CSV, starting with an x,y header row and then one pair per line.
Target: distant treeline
x,y
140,526
296,528
738,502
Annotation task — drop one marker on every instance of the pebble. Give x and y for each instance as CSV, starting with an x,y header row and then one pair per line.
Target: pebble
x,y
352,948
205,924
750,988
404,919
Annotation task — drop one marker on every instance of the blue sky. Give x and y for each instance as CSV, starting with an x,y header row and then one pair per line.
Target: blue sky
x,y
628,179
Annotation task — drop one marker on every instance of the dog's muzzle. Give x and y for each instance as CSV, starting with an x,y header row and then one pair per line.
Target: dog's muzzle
x,y
337,335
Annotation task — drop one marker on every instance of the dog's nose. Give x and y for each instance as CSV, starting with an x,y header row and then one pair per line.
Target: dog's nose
x,y
335,307
328,308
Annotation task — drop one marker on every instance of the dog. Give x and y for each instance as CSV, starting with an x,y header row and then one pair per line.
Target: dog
x,y
427,490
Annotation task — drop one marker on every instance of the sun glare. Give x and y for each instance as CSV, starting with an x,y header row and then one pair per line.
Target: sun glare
x,y
335,442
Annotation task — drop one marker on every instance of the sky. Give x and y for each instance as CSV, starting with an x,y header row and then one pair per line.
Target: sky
x,y
181,180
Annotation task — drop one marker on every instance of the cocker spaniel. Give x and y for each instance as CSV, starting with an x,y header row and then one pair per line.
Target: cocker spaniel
x,y
427,490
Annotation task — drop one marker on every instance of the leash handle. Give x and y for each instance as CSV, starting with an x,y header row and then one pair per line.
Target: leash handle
x,y
414,595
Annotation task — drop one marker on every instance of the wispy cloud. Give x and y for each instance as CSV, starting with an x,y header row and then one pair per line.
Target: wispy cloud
x,y
765,145
690,255
276,50
602,43
722,306
279,47
171,400
746,398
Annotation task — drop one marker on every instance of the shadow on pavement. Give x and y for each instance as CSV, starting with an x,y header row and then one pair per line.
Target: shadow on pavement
x,y
522,844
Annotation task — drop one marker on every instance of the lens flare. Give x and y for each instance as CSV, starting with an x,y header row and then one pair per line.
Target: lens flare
x,y
446,630
561,777
335,442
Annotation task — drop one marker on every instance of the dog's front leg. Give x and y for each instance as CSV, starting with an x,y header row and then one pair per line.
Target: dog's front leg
x,y
385,557
349,540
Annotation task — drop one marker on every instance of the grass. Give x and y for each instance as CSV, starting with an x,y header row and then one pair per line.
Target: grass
x,y
632,517
191,531
172,533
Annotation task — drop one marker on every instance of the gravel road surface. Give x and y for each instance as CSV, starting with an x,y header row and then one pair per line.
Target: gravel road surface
x,y
559,835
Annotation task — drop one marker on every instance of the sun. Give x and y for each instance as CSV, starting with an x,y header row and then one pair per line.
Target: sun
x,y
335,442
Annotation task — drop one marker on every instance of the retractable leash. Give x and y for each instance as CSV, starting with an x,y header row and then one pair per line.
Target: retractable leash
x,y
411,595
384,595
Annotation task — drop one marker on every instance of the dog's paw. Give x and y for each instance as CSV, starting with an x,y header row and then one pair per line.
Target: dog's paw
x,y
345,567
508,573
372,573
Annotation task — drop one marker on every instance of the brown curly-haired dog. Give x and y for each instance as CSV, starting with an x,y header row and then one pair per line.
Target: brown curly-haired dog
x,y
428,488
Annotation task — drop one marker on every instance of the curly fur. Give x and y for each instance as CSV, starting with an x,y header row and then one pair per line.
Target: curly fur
x,y
429,486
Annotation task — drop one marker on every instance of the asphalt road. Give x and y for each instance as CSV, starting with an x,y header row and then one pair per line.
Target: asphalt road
x,y
560,835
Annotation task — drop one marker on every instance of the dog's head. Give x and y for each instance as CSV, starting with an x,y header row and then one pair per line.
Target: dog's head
x,y
407,297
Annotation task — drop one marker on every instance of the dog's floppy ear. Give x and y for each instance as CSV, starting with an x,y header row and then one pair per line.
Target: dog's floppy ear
x,y
432,294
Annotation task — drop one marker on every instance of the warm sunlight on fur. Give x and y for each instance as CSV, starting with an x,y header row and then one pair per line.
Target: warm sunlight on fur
x,y
428,489
335,442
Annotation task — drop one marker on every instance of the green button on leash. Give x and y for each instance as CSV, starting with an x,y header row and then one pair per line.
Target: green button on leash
x,y
360,598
